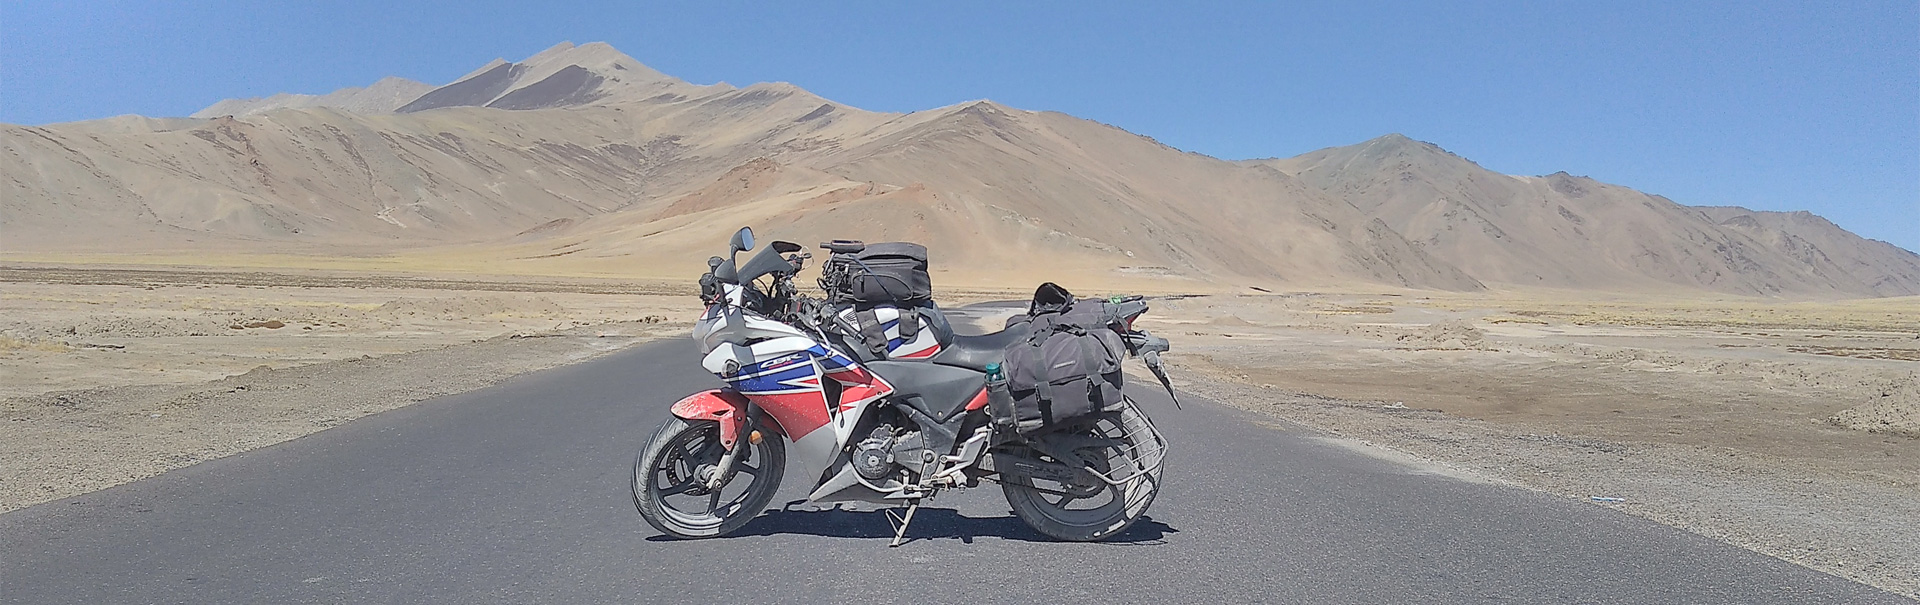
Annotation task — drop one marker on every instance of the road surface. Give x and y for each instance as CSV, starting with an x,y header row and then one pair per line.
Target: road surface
x,y
518,493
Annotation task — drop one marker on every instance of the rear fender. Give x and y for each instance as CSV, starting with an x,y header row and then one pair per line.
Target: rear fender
x,y
1130,309
726,406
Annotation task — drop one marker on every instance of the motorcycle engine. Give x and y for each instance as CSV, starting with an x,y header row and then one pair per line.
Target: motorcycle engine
x,y
871,457
887,450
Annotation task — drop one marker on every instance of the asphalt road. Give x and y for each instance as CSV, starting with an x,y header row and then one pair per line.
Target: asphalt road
x,y
518,493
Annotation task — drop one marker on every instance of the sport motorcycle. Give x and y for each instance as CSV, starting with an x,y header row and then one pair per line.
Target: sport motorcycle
x,y
798,399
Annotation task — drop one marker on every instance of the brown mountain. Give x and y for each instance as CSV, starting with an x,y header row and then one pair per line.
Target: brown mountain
x,y
380,97
562,76
582,160
1567,231
1825,248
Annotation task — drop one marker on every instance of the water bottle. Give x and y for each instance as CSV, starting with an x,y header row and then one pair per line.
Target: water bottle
x,y
999,399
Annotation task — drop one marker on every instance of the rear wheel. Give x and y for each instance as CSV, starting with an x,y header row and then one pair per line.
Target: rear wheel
x,y
671,476
1091,508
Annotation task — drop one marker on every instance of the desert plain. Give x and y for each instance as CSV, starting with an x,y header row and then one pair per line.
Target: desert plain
x,y
174,290
1792,428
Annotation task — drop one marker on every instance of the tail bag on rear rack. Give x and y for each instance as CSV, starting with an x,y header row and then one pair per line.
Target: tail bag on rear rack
x,y
1069,365
882,294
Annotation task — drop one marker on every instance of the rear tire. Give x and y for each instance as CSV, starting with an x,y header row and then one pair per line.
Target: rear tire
x,y
670,474
1057,509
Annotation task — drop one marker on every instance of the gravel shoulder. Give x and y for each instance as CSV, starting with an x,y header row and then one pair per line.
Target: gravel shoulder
x,y
1756,435
65,443
1859,530
110,375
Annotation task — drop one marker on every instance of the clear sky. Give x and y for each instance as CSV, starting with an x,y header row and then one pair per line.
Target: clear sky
x,y
1776,106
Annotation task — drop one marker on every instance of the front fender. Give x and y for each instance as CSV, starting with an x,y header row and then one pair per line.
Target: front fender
x,y
726,406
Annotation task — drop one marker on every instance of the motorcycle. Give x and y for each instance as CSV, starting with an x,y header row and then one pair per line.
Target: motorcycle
x,y
893,432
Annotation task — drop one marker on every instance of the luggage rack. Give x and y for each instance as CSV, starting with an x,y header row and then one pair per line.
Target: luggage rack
x,y
1143,464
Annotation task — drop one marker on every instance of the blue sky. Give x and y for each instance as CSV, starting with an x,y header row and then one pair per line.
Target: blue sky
x,y
1776,106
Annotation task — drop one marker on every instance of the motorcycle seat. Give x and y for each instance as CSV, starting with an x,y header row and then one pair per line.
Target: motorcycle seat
x,y
975,352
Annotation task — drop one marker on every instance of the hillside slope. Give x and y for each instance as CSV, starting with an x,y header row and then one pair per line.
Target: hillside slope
x,y
581,159
1824,247
1567,231
383,96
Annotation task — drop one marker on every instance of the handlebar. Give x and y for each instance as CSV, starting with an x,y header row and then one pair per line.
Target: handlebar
x,y
844,246
1142,343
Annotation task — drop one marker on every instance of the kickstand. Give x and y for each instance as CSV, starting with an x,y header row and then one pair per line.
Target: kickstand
x,y
900,523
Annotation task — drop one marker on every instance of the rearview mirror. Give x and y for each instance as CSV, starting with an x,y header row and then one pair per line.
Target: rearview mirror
x,y
742,239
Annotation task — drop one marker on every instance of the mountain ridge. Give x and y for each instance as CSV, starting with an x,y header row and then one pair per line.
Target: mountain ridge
x,y
584,155
382,96
1583,231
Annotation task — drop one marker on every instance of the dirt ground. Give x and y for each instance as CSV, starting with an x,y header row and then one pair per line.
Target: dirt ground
x,y
109,376
1789,428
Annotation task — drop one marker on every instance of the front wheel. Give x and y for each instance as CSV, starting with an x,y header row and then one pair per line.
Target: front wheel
x,y
1093,509
671,476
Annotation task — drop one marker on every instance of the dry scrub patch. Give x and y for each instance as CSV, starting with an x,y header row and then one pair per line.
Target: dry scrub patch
x,y
112,376
1722,417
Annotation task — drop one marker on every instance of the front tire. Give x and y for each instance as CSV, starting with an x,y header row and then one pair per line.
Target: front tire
x,y
1096,510
669,480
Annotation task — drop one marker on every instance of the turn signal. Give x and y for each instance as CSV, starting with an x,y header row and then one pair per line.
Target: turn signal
x,y
754,437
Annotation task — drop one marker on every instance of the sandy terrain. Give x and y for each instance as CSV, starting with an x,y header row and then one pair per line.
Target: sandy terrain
x,y
1790,429
111,376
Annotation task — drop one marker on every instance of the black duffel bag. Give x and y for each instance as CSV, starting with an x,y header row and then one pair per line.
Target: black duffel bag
x,y
890,273
1069,364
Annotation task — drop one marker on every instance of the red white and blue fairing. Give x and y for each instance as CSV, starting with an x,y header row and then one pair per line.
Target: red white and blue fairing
x,y
924,344
781,372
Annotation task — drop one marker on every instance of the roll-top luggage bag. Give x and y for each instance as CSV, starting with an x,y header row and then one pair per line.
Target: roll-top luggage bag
x,y
1068,368
890,273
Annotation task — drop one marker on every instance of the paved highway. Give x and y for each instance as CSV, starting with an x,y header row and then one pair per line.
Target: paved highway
x,y
518,493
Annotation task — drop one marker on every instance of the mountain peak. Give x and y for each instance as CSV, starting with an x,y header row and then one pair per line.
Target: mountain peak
x,y
983,106
563,75
1404,144
1392,150
1571,179
550,52
595,56
982,113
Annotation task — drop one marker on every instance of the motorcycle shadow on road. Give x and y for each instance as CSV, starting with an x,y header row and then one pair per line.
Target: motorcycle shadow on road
x,y
928,524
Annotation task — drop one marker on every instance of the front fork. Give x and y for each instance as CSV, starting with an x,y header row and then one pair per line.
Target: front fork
x,y
735,413
723,472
